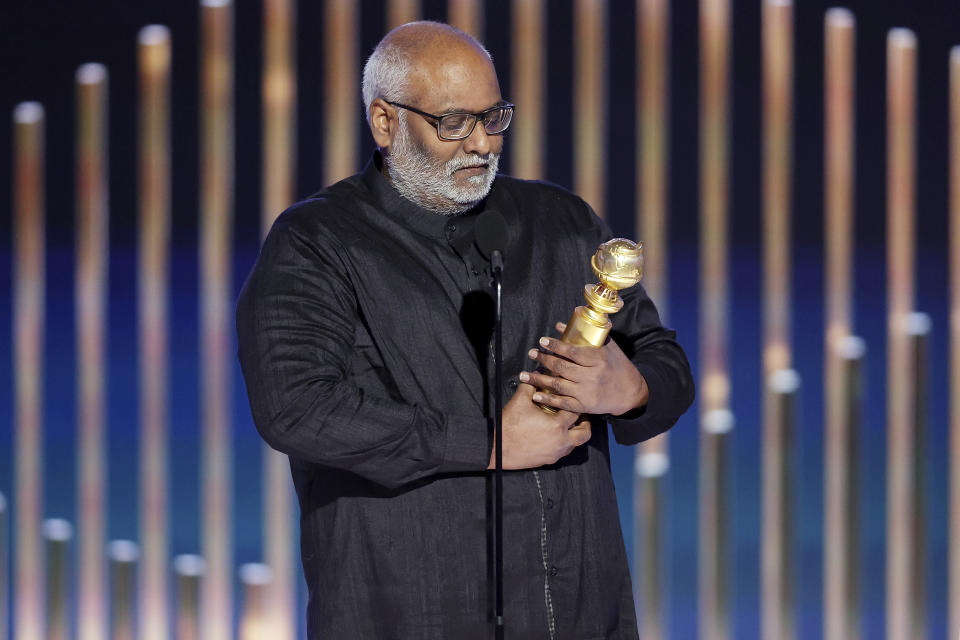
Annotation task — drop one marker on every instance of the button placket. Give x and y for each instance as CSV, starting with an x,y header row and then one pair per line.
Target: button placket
x,y
545,558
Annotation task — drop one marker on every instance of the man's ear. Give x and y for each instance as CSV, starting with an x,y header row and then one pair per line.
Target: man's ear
x,y
383,123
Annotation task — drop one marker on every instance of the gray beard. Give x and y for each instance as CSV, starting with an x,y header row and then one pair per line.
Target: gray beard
x,y
421,179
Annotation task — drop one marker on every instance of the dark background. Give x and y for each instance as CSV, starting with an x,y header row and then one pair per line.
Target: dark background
x,y
43,42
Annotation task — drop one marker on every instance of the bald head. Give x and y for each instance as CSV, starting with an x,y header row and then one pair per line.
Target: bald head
x,y
420,56
429,36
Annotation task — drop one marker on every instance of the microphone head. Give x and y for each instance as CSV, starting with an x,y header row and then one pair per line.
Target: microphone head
x,y
490,233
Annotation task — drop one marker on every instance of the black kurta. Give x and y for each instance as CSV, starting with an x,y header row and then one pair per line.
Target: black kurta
x,y
364,333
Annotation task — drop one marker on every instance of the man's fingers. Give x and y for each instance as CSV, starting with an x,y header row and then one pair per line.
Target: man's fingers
x,y
557,366
585,356
546,382
558,347
559,402
580,433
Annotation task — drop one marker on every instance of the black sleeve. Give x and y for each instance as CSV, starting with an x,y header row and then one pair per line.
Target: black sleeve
x,y
296,320
655,352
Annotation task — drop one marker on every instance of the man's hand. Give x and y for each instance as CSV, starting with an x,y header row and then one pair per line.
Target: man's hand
x,y
532,437
587,379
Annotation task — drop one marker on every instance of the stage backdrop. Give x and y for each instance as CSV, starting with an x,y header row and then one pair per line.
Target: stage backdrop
x,y
42,43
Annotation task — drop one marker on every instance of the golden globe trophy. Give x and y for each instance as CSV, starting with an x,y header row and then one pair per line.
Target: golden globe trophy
x,y
618,264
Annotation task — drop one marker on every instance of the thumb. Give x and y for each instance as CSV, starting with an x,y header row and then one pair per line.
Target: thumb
x,y
580,433
524,389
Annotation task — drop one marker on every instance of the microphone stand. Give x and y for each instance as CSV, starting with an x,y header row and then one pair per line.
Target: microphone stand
x,y
496,260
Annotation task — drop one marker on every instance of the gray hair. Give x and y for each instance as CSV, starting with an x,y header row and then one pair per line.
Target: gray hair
x,y
387,70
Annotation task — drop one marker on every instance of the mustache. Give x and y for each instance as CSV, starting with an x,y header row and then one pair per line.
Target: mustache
x,y
468,161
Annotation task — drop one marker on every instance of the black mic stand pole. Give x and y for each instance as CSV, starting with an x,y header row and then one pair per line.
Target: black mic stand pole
x,y
496,260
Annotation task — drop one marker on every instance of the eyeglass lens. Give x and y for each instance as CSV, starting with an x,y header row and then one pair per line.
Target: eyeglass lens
x,y
460,125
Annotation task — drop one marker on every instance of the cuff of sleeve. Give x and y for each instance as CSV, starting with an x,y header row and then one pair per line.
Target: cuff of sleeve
x,y
641,423
467,446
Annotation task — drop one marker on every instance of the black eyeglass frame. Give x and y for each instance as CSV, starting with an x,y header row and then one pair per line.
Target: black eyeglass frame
x,y
477,117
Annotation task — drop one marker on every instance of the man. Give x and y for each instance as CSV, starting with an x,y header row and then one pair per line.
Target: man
x,y
364,334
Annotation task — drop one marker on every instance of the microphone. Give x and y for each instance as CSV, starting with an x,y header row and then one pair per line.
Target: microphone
x,y
490,234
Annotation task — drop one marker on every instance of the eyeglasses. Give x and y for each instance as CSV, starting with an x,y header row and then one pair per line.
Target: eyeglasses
x,y
458,125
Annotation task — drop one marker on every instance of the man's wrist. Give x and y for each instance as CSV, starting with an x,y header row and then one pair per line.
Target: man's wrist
x,y
640,398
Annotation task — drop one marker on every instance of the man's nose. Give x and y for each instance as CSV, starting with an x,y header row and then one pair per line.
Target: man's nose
x,y
478,141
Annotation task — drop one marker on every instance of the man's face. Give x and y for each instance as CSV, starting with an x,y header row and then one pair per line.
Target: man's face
x,y
447,176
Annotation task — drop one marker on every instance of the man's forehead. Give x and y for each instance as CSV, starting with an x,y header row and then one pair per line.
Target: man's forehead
x,y
456,83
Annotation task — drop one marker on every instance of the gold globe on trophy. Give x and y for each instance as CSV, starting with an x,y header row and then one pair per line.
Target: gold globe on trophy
x,y
618,264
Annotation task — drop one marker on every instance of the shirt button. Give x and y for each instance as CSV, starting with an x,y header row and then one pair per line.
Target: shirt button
x,y
475,272
554,571
549,503
451,227
513,383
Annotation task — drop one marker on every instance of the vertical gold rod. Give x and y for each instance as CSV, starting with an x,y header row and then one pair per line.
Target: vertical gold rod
x,y
4,568
255,580
649,544
838,559
651,461
653,96
918,333
843,618
57,535
528,70
279,94
901,442
714,562
122,556
400,12
152,292
839,38
777,606
714,189
28,328
216,311
188,570
590,101
777,151
279,149
340,90
716,419
776,601
953,601
91,286
466,15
